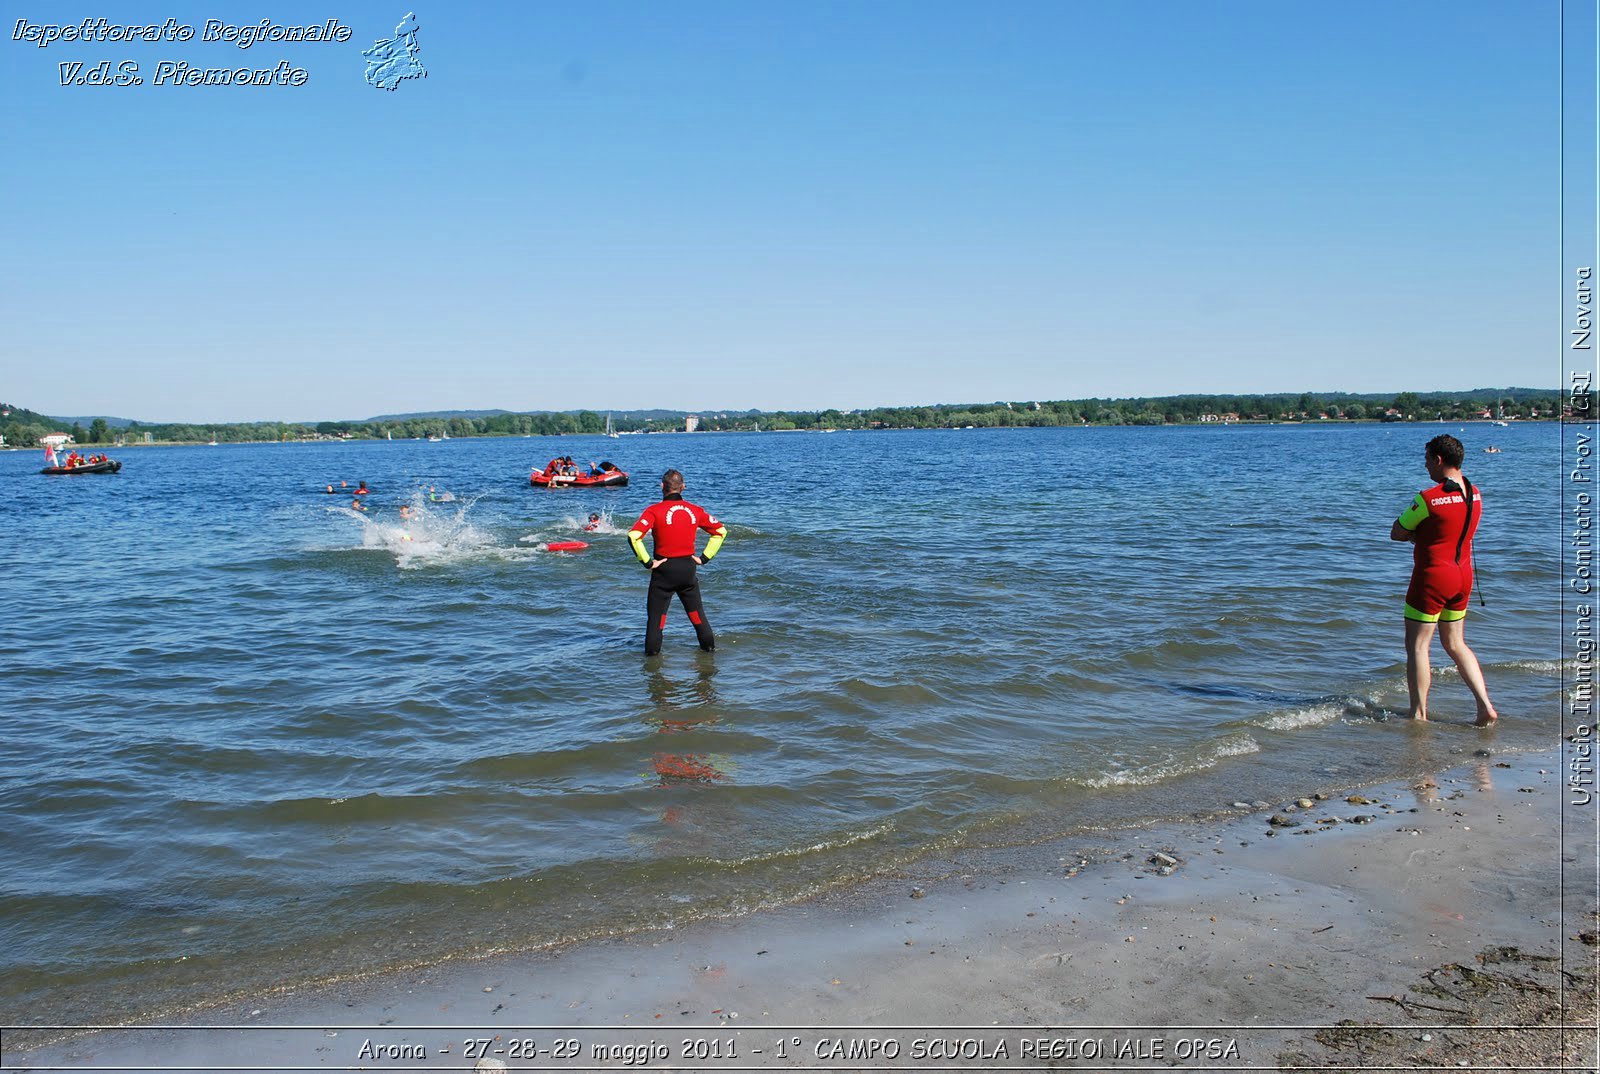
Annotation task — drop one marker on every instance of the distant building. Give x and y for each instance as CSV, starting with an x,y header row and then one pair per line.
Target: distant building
x,y
691,423
56,440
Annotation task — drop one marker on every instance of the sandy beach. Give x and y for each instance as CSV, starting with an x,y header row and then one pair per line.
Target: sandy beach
x,y
1405,925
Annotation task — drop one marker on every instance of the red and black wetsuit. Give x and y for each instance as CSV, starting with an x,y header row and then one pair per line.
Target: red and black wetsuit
x,y
1443,521
673,524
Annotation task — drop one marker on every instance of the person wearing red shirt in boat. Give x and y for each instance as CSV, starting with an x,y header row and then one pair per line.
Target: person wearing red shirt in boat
x,y
1439,524
673,525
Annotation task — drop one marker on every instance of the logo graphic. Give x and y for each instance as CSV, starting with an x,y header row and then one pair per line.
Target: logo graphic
x,y
675,508
392,61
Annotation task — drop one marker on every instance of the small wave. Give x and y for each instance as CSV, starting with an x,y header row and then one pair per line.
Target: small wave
x,y
1238,745
1542,667
1242,746
798,852
1309,716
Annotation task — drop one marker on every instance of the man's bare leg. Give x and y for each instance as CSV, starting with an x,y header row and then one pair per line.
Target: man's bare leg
x,y
1453,636
1419,672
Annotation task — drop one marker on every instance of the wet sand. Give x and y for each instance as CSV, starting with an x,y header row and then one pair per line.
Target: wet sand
x,y
1227,942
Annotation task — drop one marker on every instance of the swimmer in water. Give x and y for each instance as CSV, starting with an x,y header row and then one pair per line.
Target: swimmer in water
x,y
594,522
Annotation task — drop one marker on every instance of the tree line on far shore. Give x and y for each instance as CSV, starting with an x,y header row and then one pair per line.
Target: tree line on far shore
x,y
25,428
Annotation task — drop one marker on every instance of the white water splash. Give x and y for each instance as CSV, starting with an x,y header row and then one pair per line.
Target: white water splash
x,y
608,524
427,534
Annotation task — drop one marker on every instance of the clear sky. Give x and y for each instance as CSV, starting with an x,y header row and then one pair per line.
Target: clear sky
x,y
782,204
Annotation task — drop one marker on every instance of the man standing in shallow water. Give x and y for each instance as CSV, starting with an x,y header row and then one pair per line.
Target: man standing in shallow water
x,y
1439,524
673,524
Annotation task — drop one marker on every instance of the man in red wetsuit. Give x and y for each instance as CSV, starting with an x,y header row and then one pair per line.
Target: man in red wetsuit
x,y
1439,524
673,524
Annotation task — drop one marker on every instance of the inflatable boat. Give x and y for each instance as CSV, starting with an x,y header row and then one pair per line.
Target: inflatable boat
x,y
607,477
109,466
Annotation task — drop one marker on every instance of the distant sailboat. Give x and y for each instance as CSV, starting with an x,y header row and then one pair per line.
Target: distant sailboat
x,y
1499,412
610,432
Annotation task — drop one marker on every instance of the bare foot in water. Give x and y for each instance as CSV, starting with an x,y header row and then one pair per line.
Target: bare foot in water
x,y
1487,718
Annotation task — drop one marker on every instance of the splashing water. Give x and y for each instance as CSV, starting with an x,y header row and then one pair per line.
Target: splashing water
x,y
422,533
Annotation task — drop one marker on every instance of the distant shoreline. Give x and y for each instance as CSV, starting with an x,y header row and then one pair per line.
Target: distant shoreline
x,y
1322,423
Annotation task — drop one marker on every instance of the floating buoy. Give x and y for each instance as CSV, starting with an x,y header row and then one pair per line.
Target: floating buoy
x,y
566,546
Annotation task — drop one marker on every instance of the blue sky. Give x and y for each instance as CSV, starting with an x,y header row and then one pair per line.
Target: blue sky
x,y
784,205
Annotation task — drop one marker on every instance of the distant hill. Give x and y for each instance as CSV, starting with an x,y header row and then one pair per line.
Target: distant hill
x,y
428,415
20,416
115,423
1517,394
630,415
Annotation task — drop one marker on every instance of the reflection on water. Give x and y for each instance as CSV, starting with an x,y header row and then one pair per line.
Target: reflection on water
x,y
691,703
1425,757
678,690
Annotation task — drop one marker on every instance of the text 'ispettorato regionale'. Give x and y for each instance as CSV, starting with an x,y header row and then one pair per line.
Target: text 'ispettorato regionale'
x,y
178,72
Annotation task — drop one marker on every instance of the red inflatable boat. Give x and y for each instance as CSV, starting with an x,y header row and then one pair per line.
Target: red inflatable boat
x,y
604,476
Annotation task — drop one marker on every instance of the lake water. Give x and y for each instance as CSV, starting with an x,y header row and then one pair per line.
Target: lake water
x,y
253,736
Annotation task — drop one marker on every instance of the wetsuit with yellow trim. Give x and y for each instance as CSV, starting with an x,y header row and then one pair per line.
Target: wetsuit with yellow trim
x,y
1442,520
673,524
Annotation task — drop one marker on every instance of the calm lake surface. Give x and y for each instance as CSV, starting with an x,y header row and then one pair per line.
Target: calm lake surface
x,y
253,736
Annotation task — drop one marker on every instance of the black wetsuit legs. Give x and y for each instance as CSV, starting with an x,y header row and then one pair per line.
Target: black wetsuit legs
x,y
676,575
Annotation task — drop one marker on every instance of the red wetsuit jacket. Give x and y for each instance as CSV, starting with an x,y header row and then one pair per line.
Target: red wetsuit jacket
x,y
673,523
1441,551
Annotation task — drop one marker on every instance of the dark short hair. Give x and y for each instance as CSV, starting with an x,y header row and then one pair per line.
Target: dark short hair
x,y
1448,449
672,481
